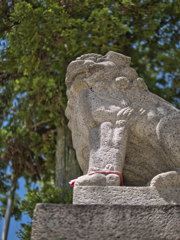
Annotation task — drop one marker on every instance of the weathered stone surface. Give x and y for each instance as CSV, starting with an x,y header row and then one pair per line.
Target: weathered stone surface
x,y
105,222
116,121
126,195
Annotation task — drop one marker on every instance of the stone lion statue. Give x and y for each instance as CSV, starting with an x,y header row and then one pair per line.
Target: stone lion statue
x,y
119,126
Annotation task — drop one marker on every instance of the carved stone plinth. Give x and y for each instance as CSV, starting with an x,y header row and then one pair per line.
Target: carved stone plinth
x,y
106,222
126,195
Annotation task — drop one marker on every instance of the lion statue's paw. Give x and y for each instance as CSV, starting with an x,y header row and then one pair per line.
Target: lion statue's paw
x,y
171,178
96,179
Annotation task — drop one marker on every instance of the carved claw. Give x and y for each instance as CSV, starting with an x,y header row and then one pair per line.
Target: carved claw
x,y
109,167
128,116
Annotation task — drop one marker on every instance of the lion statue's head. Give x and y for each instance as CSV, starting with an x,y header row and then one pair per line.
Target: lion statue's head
x,y
96,71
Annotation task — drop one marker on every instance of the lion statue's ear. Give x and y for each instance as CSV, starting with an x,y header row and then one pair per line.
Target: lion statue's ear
x,y
120,60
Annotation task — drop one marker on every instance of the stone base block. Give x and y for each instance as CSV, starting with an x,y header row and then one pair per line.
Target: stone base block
x,y
106,222
126,195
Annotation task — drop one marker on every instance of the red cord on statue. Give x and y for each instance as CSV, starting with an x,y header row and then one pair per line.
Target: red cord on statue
x,y
72,182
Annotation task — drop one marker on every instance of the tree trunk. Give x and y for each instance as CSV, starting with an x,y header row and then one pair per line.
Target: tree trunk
x,y
67,167
9,208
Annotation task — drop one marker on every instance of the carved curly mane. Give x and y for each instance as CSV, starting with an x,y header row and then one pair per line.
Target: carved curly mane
x,y
100,72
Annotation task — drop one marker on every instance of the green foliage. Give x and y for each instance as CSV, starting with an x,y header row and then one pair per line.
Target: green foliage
x,y
25,234
47,194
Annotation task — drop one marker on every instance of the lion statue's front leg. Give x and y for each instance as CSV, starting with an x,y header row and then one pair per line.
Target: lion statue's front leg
x,y
107,141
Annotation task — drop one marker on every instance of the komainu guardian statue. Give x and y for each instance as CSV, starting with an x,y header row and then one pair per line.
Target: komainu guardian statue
x,y
118,126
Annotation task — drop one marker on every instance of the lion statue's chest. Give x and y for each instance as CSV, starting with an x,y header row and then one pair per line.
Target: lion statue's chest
x,y
107,110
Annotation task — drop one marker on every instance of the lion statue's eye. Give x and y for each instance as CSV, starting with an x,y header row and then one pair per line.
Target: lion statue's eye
x,y
80,75
122,83
129,73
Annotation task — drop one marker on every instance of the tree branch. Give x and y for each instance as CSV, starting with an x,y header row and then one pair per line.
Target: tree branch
x,y
39,123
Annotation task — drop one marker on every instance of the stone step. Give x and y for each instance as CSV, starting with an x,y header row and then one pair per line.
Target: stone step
x,y
126,195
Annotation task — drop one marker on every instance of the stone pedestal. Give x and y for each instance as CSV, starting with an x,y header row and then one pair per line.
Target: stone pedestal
x,y
106,222
121,213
